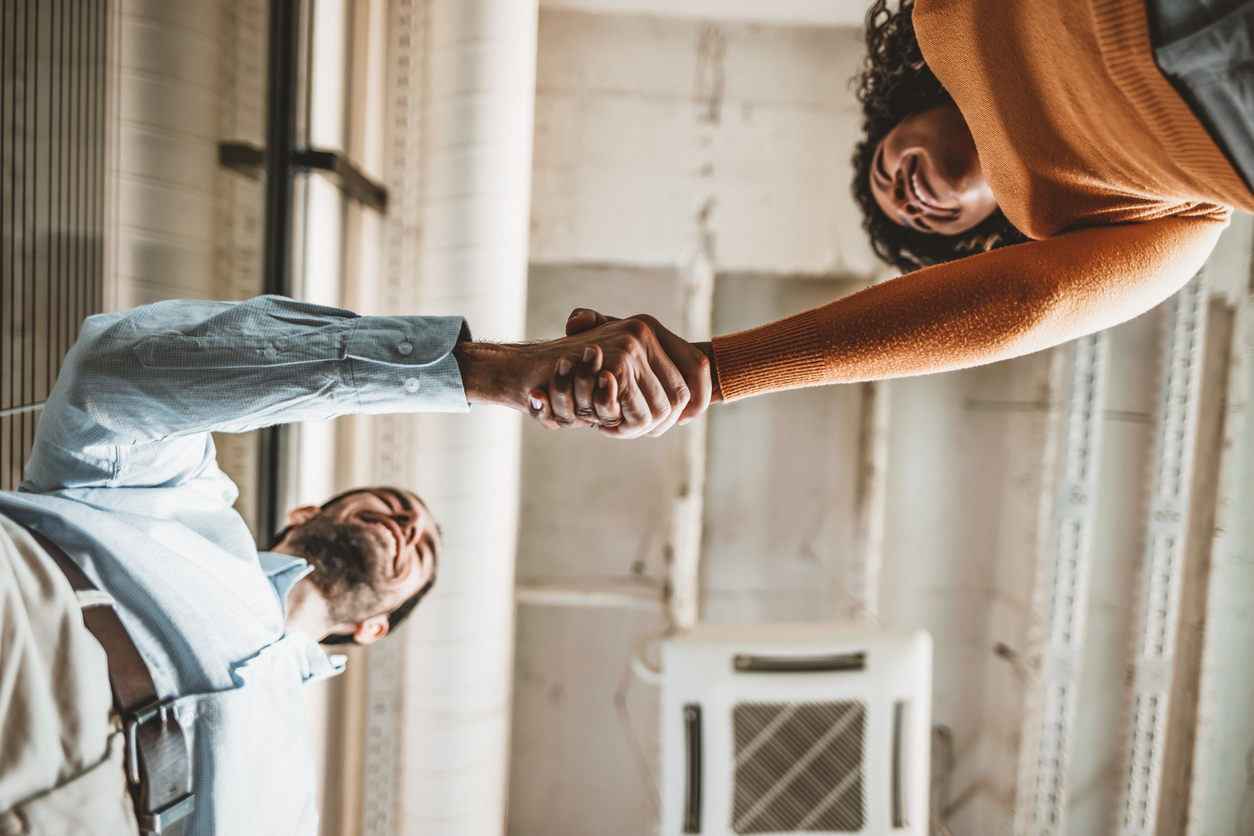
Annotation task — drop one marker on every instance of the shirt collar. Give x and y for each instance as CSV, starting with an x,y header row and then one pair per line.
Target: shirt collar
x,y
283,571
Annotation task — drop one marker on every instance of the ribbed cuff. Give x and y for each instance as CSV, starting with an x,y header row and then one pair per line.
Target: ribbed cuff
x,y
1123,37
782,355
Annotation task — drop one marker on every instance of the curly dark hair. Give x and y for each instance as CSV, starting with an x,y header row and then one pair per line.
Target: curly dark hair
x,y
895,83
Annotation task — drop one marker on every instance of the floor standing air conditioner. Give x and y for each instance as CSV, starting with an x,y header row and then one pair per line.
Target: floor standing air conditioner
x,y
795,728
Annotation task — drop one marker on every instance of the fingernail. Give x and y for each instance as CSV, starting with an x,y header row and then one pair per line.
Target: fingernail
x,y
683,421
563,366
602,382
537,404
589,354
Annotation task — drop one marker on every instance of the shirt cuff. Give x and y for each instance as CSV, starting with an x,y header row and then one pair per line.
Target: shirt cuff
x,y
406,363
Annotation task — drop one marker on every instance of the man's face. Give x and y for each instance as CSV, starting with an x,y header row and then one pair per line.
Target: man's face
x,y
387,548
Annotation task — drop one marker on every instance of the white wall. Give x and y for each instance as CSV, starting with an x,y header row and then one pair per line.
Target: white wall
x,y
782,492
640,121
593,516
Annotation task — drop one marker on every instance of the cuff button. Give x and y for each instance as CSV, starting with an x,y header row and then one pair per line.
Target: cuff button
x,y
411,385
405,348
270,353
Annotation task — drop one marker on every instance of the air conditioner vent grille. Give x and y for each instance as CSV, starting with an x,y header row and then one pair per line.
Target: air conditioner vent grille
x,y
799,767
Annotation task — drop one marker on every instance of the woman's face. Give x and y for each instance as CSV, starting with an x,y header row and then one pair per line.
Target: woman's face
x,y
927,174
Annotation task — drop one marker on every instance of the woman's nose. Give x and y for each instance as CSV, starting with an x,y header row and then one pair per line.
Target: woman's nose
x,y
899,192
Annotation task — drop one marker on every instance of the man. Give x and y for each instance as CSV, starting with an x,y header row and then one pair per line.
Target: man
x,y
123,489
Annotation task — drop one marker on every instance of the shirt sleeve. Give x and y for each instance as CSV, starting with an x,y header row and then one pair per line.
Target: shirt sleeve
x,y
976,310
142,389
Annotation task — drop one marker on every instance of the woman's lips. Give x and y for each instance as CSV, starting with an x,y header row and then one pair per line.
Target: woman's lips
x,y
921,193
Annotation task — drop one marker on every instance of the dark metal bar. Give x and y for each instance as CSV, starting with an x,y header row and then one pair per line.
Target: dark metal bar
x,y
277,264
242,157
250,161
692,782
899,765
832,663
280,144
350,179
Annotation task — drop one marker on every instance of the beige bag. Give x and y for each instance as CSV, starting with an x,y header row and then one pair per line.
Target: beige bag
x,y
93,804
61,756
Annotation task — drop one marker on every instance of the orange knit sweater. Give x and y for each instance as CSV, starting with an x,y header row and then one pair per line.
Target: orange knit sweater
x,y
1087,148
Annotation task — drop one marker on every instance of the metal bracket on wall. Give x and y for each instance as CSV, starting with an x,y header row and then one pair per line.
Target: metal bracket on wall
x,y
250,161
1061,590
1152,669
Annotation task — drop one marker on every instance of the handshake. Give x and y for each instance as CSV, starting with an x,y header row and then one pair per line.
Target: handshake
x,y
627,377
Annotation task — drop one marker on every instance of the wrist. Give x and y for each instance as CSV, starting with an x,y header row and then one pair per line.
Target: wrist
x,y
494,373
716,394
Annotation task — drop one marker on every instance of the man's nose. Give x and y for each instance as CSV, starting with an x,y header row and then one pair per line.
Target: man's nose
x,y
408,521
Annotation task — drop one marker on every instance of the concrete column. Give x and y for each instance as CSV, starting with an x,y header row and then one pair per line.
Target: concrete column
x,y
478,101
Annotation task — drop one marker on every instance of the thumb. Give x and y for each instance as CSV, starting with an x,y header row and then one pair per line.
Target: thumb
x,y
584,319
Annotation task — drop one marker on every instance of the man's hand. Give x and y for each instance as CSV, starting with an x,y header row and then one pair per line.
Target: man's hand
x,y
627,384
569,397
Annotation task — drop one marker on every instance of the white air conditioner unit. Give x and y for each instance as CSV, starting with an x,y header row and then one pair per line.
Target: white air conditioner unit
x,y
795,728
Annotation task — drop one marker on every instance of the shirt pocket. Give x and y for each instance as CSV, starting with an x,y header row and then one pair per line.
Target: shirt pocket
x,y
177,351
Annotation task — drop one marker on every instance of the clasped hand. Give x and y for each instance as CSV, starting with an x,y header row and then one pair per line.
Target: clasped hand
x,y
627,377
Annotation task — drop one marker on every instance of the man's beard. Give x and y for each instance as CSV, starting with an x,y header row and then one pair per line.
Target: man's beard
x,y
344,570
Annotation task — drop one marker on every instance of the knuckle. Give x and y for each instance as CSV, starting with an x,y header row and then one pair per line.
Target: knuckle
x,y
635,328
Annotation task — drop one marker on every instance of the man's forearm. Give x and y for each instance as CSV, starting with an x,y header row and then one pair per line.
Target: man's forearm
x,y
499,374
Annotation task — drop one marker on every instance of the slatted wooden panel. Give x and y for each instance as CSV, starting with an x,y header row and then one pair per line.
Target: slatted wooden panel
x,y
52,177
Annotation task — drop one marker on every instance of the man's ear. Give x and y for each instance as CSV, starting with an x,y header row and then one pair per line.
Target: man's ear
x,y
371,630
302,515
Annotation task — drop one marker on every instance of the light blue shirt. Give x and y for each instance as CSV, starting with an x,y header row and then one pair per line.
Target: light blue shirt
x,y
123,477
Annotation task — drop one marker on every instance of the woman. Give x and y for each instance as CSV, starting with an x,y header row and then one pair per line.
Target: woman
x,y
1036,170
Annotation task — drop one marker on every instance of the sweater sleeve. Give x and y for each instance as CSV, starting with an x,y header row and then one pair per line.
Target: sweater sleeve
x,y
989,307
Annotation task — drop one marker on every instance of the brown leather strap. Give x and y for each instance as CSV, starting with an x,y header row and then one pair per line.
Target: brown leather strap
x,y
156,748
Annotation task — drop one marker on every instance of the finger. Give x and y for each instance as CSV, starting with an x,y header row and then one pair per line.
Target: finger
x,y
605,401
655,396
584,319
538,407
585,381
561,401
677,394
691,362
634,407
672,387
699,377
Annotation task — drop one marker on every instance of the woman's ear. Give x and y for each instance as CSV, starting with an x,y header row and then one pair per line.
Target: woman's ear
x,y
301,515
371,630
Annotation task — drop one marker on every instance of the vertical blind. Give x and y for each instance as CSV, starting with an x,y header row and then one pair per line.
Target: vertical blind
x,y
52,178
